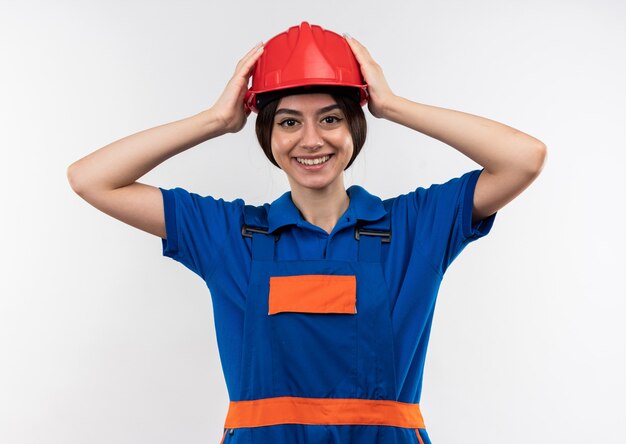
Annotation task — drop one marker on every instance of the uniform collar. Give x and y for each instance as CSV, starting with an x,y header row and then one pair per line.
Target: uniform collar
x,y
363,206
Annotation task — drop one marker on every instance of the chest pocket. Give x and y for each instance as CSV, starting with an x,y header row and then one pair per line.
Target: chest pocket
x,y
312,293
313,324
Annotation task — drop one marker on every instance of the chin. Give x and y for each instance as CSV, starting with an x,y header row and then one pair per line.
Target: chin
x,y
315,184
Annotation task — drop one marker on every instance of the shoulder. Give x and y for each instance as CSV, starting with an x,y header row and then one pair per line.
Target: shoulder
x,y
200,212
184,194
449,190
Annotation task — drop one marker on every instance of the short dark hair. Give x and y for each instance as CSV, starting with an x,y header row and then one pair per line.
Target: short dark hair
x,y
345,98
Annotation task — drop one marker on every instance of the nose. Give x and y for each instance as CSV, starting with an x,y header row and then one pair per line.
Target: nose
x,y
311,137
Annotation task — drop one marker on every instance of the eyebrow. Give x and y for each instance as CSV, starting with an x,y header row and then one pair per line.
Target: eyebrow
x,y
298,113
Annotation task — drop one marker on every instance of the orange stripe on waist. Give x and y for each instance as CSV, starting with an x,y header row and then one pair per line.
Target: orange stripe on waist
x,y
330,411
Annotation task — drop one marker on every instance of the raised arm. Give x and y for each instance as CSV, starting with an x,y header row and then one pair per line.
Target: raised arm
x,y
511,159
107,178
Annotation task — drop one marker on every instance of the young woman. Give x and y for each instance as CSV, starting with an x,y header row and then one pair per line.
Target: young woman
x,y
323,299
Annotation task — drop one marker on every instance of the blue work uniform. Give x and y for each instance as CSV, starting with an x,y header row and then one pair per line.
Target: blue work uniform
x,y
276,347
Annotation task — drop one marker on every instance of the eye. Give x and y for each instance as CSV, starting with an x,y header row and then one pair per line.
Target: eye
x,y
287,123
331,119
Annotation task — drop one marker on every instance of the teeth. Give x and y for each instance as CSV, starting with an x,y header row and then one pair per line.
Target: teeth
x,y
313,161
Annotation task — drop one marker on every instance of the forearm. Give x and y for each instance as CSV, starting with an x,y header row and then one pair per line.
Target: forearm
x,y
495,146
124,161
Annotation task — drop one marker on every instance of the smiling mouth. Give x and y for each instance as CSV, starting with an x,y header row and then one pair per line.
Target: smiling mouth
x,y
315,161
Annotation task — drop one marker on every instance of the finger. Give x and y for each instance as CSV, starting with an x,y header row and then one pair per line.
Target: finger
x,y
248,67
245,65
253,50
253,53
359,50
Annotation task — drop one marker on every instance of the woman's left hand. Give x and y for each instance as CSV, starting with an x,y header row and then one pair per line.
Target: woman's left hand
x,y
380,94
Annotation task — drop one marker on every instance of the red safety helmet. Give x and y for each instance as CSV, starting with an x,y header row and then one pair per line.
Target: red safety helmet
x,y
305,55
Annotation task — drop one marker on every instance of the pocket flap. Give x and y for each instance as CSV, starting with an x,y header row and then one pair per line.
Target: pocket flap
x,y
312,293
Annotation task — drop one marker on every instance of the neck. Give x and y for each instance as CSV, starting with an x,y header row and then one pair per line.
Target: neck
x,y
321,207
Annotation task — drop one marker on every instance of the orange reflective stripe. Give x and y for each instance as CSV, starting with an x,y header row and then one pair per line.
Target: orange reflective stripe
x,y
313,293
335,411
223,437
419,437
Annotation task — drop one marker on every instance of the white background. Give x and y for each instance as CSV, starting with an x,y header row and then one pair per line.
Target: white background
x,y
103,340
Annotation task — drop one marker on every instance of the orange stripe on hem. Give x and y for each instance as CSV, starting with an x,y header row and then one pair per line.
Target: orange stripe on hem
x,y
329,411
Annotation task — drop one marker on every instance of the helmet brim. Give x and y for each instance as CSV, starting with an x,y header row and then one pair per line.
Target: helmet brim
x,y
256,101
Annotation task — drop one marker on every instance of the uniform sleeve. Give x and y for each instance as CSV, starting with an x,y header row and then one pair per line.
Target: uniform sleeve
x,y
198,227
444,219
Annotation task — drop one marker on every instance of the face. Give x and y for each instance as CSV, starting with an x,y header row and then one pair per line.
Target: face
x,y
311,128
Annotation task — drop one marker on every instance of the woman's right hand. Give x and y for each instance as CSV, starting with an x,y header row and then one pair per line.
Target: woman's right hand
x,y
230,108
